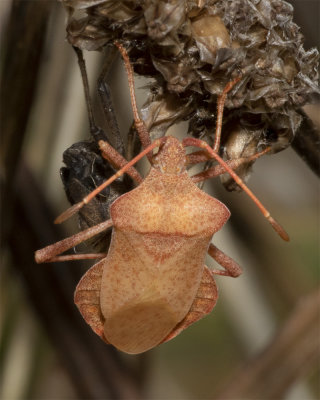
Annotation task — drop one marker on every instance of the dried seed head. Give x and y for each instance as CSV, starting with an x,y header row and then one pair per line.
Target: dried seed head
x,y
193,48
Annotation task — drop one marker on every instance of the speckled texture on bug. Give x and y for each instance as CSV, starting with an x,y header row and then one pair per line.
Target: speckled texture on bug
x,y
87,299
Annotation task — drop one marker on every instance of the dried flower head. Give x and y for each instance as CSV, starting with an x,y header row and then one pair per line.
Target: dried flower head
x,y
193,48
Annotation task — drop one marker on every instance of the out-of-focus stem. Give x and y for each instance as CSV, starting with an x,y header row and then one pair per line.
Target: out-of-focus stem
x,y
307,144
294,350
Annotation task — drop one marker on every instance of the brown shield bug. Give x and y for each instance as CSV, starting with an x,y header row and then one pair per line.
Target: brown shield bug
x,y
153,282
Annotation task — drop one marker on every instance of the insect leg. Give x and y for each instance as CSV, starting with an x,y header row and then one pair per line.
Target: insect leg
x,y
48,253
220,106
139,123
233,164
231,267
77,257
205,300
197,157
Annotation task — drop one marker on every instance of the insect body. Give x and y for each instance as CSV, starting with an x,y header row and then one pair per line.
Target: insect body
x,y
153,283
162,231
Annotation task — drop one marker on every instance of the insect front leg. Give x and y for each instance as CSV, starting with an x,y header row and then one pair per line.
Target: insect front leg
x,y
231,268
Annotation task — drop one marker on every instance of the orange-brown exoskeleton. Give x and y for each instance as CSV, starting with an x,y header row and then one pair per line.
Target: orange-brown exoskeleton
x,y
153,282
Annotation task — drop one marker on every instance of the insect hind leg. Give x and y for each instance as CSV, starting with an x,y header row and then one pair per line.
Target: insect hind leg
x,y
231,268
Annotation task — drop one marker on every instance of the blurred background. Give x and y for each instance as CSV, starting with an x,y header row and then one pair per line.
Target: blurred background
x,y
262,340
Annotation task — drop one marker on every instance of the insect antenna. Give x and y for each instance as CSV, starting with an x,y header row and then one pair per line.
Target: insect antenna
x,y
200,143
139,123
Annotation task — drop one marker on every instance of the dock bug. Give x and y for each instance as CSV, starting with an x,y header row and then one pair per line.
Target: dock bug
x,y
153,282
